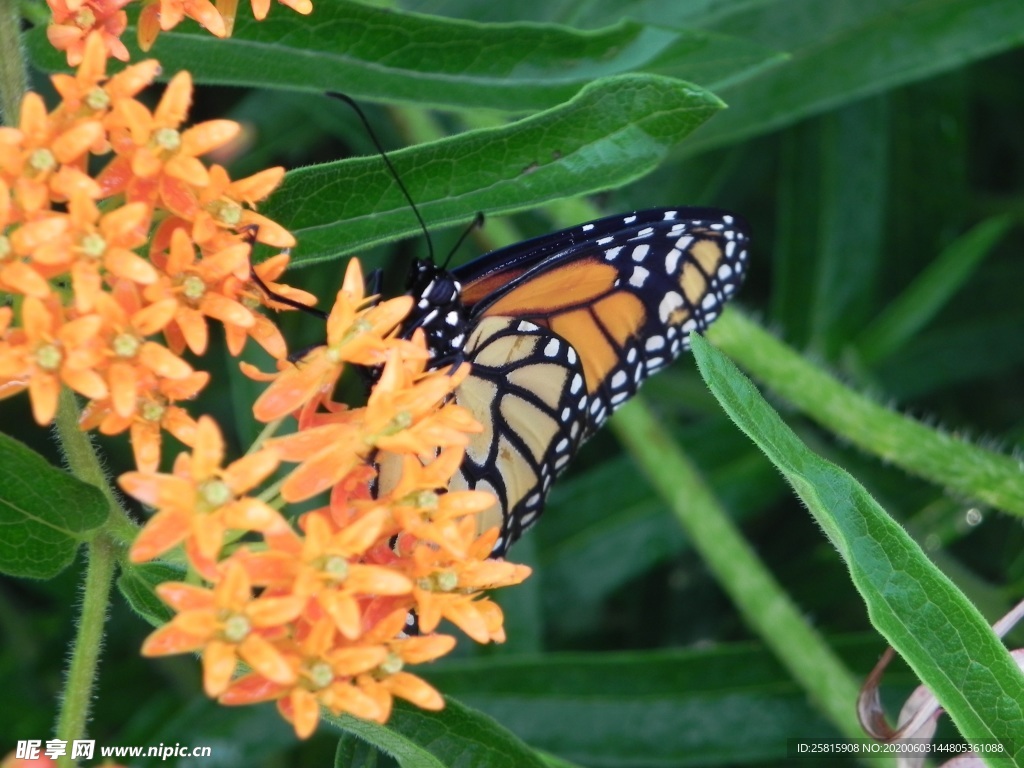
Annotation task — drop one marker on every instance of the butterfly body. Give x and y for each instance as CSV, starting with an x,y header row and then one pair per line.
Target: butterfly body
x,y
563,329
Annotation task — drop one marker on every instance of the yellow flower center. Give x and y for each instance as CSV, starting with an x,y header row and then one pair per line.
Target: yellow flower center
x,y
126,345
48,357
194,287
167,139
320,675
392,664
152,411
85,18
97,99
236,628
401,420
360,326
225,211
336,567
249,301
93,245
215,493
439,581
42,160
426,500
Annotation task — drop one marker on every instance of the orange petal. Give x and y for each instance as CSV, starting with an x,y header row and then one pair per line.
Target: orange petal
x,y
419,692
168,640
251,689
163,362
166,529
249,471
44,390
263,657
305,712
201,138
123,382
208,452
185,597
219,663
130,266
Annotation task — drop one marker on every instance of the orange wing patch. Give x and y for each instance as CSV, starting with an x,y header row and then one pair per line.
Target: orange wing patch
x,y
708,254
575,283
605,320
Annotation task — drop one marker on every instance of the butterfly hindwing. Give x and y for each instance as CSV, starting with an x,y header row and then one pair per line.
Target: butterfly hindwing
x,y
563,329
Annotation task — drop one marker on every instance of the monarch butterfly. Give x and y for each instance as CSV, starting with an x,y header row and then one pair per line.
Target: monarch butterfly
x,y
563,329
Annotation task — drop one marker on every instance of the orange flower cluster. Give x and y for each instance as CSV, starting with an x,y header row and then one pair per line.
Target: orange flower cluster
x,y
87,306
74,20
319,616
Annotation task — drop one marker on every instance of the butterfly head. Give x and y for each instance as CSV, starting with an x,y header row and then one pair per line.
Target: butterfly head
x,y
438,310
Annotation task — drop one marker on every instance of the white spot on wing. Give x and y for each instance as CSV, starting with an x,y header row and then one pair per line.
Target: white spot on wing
x,y
669,304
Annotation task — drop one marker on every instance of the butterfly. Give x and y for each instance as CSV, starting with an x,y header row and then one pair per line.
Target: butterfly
x,y
563,329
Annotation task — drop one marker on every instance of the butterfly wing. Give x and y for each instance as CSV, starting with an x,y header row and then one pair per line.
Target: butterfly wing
x,y
564,329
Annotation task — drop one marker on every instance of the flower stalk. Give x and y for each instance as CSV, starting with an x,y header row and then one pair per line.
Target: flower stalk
x,y
13,77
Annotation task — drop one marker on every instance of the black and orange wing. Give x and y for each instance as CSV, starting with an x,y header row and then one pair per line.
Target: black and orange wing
x,y
563,329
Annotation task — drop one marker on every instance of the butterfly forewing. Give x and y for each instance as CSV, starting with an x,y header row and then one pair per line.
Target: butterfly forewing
x,y
563,329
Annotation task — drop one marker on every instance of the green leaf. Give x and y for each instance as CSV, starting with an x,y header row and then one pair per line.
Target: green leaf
x,y
931,290
138,585
850,50
353,752
832,210
725,704
947,460
615,130
920,612
45,513
455,736
382,54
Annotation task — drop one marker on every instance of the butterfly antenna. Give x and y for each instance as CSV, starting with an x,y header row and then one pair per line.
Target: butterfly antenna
x,y
387,161
478,222
250,231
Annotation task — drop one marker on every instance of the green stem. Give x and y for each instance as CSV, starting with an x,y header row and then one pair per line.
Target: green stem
x,y
81,677
13,77
102,555
761,600
80,454
939,457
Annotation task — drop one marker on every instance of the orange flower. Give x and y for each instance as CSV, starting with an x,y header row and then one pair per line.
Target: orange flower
x,y
222,209
136,366
200,289
156,160
420,511
91,244
164,15
403,413
263,330
228,624
200,501
324,675
74,20
389,679
154,413
50,350
449,587
41,158
354,335
260,8
89,92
